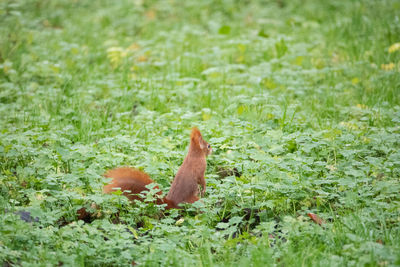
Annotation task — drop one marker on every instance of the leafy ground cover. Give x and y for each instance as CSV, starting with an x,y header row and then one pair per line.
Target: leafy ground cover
x,y
299,99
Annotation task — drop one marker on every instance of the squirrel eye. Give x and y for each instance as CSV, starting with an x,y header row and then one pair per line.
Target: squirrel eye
x,y
208,146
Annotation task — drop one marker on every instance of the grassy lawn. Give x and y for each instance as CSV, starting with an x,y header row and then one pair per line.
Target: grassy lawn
x,y
299,99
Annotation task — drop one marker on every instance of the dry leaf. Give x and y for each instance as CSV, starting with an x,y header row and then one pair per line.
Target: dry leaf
x,y
316,218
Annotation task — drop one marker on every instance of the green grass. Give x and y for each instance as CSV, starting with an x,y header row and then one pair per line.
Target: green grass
x,y
298,99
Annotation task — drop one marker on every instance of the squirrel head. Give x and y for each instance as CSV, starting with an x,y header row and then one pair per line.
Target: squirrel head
x,y
198,143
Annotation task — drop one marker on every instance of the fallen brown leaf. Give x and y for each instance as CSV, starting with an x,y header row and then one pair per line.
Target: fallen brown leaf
x,y
316,218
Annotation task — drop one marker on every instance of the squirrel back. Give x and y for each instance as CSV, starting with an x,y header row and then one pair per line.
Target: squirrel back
x,y
184,188
185,185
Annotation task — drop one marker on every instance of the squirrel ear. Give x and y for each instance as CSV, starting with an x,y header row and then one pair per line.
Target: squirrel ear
x,y
195,133
195,137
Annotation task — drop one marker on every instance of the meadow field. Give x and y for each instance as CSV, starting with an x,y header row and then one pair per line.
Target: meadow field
x,y
299,99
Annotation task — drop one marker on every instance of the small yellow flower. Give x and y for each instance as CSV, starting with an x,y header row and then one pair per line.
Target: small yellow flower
x,y
394,47
115,55
389,66
361,106
355,81
134,47
150,14
142,58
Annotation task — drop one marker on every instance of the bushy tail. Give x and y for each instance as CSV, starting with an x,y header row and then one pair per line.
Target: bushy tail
x,y
131,182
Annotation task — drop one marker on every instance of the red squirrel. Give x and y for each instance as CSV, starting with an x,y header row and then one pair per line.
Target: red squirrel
x,y
184,188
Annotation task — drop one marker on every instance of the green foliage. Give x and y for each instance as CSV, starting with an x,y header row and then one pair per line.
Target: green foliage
x,y
299,99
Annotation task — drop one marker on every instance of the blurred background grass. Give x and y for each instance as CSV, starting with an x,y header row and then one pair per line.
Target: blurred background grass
x,y
299,98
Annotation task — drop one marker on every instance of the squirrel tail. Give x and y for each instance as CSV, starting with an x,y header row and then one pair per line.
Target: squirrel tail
x,y
131,182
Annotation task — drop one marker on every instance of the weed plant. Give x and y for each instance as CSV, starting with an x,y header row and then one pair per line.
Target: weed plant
x,y
299,99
